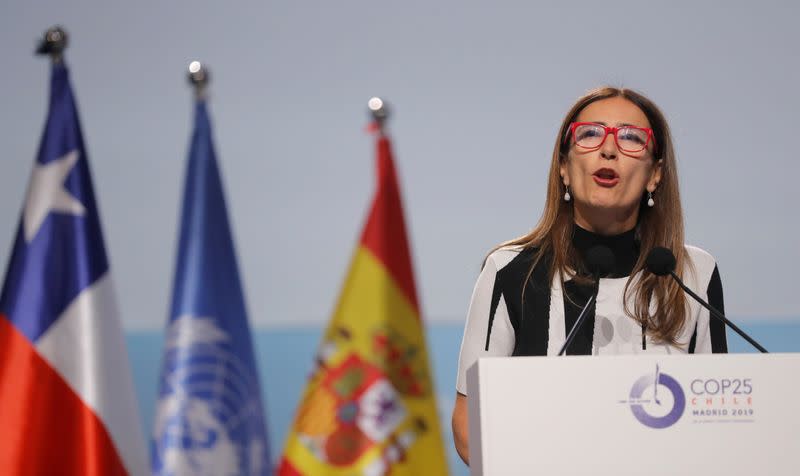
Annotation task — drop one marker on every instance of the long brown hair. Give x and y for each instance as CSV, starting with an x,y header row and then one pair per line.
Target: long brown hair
x,y
660,225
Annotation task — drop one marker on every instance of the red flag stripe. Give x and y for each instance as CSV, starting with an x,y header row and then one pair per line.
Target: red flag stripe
x,y
286,469
46,428
385,232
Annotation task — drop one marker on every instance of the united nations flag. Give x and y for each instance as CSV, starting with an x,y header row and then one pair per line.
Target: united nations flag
x,y
209,417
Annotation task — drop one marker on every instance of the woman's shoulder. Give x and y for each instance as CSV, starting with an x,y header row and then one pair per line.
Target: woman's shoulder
x,y
501,256
699,256
701,263
509,257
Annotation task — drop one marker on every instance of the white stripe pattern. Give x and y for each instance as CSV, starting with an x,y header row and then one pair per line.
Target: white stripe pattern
x,y
86,347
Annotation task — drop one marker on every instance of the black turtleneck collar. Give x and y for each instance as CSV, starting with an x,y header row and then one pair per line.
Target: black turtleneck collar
x,y
625,247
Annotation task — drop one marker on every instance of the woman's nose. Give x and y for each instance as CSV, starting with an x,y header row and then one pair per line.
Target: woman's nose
x,y
609,148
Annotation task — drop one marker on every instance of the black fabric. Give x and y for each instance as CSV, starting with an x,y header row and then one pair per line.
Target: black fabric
x,y
624,246
496,293
644,337
693,342
528,307
719,341
534,327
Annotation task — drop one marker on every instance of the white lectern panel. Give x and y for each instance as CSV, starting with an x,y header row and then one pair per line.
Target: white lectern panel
x,y
709,415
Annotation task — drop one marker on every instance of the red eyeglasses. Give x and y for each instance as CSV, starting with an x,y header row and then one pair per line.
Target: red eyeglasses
x,y
591,135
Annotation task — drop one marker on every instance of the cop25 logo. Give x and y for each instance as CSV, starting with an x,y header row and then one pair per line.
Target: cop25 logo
x,y
657,400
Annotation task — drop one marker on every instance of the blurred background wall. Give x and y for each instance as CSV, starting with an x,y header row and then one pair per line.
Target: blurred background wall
x,y
478,90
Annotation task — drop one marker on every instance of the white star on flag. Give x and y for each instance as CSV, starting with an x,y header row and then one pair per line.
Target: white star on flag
x,y
46,193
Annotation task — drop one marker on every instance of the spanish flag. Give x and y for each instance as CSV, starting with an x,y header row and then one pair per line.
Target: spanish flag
x,y
369,407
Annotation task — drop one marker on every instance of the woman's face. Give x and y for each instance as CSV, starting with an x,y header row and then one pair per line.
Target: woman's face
x,y
606,183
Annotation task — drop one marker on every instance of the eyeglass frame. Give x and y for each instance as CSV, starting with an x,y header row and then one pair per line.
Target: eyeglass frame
x,y
610,130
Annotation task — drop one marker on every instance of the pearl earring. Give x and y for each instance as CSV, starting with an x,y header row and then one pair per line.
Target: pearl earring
x,y
650,201
567,196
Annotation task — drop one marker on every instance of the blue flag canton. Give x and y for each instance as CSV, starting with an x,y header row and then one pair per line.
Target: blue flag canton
x,y
209,415
58,251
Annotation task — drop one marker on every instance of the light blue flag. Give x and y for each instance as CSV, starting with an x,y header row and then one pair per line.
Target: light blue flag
x,y
209,416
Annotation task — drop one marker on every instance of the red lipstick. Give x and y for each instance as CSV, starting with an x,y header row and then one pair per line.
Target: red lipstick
x,y
605,177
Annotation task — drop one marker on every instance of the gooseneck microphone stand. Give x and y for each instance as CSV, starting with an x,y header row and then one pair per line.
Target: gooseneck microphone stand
x,y
600,261
717,314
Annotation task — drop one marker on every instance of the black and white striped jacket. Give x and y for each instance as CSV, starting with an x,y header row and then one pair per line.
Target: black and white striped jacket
x,y
499,325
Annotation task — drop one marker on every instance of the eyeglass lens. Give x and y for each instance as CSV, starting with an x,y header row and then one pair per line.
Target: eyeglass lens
x,y
629,139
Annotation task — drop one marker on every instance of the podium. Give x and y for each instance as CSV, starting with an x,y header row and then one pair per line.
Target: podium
x,y
710,414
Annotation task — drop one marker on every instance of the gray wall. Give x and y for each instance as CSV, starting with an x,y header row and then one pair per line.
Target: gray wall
x,y
479,89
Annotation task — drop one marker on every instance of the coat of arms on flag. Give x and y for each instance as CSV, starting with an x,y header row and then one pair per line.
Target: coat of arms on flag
x,y
358,402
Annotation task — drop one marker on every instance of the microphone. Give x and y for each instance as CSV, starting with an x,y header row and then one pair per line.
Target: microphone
x,y
661,262
600,261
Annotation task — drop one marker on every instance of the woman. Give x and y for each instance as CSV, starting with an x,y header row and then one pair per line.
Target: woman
x,y
612,182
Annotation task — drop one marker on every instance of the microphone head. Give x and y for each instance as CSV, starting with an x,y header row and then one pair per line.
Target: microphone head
x,y
600,260
660,261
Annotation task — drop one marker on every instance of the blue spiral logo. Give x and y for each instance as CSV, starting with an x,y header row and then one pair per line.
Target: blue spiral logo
x,y
641,404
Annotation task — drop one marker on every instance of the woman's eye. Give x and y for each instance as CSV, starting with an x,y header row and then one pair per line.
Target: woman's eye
x,y
631,136
589,132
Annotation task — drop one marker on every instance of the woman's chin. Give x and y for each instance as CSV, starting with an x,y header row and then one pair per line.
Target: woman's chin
x,y
604,206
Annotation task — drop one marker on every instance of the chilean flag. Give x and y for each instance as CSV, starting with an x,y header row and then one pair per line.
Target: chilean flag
x,y
66,396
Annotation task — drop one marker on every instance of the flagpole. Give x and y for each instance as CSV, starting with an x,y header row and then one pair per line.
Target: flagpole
x,y
379,111
53,44
198,78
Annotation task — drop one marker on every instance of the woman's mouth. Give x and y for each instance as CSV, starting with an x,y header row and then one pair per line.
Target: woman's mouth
x,y
605,177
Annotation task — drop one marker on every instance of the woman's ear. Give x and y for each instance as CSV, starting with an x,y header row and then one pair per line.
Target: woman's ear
x,y
563,171
655,177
